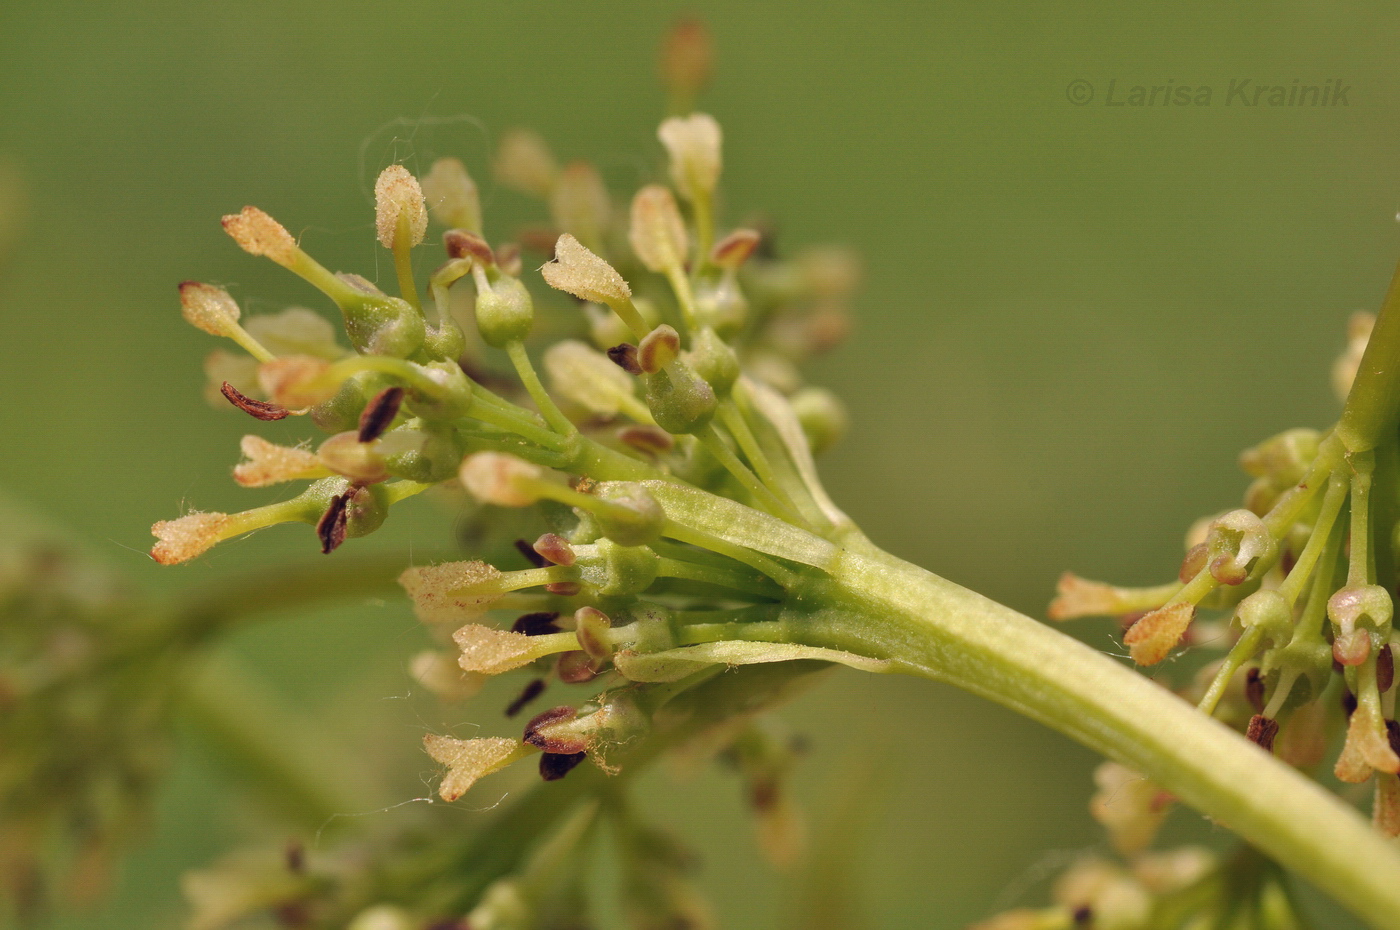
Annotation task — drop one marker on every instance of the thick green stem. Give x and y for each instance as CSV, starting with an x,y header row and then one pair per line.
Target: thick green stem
x,y
1373,404
935,629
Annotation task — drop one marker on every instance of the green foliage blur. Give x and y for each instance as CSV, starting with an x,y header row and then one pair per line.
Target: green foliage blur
x,y
1074,317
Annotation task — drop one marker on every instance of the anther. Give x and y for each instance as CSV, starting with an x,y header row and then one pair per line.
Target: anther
x,y
1262,731
1254,689
530,692
330,529
379,413
531,556
554,766
624,356
565,744
258,409
536,624
555,549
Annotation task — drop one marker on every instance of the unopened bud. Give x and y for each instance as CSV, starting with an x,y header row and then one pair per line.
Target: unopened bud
x,y
523,161
398,197
575,270
1269,611
587,378
714,361
505,312
452,196
268,463
657,232
555,549
658,349
500,479
1152,638
733,250
620,570
679,399
830,272
822,415
209,308
440,674
579,203
687,59
259,234
452,592
295,381
694,144
633,517
346,455
191,535
468,760
1284,458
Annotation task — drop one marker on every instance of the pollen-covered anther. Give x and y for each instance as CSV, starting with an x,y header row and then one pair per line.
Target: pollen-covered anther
x,y
296,381
209,308
556,549
658,349
694,144
500,479
268,463
452,195
1081,597
259,234
1367,746
469,760
191,535
492,652
657,232
399,198
451,592
575,270
1152,638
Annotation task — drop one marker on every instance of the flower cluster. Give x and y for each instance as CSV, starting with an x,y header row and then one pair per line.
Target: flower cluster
x,y
1305,570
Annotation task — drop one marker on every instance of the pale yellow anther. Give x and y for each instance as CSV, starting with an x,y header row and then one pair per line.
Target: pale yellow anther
x,y
468,760
694,144
259,234
451,592
268,463
500,479
396,195
657,232
295,381
452,195
440,674
191,535
579,203
491,652
523,161
588,378
209,308
1152,638
575,270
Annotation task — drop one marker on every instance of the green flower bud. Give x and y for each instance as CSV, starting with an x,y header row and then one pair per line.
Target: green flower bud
x,y
422,453
342,412
634,518
720,303
680,400
504,312
822,415
620,570
378,324
714,360
1270,612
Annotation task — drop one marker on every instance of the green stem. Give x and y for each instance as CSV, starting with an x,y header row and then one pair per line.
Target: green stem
x,y
937,630
1373,403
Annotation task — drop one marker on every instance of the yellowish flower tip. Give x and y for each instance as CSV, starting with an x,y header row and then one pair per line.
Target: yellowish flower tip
x,y
500,479
292,381
259,234
468,760
209,308
587,377
694,144
397,194
579,203
452,195
450,592
491,652
440,674
1128,806
575,270
1079,597
191,535
733,250
1358,335
657,232
1152,638
1173,870
1367,746
524,162
268,463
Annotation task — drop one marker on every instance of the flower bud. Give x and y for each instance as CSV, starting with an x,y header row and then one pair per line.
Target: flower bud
x,y
822,415
714,361
523,161
399,198
679,399
687,59
657,232
209,308
259,234
1152,638
587,378
440,674
1284,458
720,303
451,592
658,349
830,272
575,270
346,455
579,203
295,381
731,251
469,760
633,517
1356,606
1270,611
268,463
504,311
500,479
620,570
452,195
693,142
1238,543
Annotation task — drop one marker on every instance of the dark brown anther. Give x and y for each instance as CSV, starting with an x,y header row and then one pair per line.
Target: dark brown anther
x,y
536,624
295,857
1254,689
1262,730
462,244
624,356
763,794
293,914
555,548
647,438
1385,668
258,409
1348,703
531,691
379,413
564,588
1392,735
575,668
531,556
1193,563
554,766
330,529
1083,916
562,745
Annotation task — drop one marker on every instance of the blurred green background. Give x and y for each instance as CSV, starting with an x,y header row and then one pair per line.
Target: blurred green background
x,y
1074,317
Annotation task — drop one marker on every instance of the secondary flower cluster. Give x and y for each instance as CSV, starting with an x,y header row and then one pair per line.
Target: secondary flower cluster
x,y
1305,568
